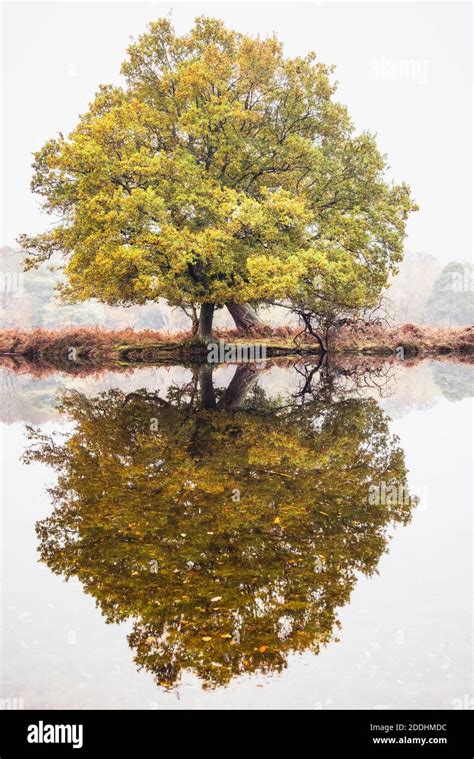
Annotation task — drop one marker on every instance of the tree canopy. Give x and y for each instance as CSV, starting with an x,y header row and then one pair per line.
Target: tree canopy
x,y
221,171
229,530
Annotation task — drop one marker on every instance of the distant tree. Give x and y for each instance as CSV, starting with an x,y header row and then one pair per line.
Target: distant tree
x,y
451,299
409,290
27,299
454,380
221,173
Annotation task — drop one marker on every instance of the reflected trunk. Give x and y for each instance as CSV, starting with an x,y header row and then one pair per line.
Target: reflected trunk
x,y
208,398
244,379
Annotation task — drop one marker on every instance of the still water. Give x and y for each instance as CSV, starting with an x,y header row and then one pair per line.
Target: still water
x,y
273,537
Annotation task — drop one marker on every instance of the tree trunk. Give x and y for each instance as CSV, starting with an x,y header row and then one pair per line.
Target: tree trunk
x,y
194,319
306,317
191,312
208,398
244,316
206,315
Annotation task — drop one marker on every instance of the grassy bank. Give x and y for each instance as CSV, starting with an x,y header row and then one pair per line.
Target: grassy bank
x,y
97,346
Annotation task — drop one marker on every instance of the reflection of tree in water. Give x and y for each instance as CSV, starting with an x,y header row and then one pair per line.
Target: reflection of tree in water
x,y
230,530
454,380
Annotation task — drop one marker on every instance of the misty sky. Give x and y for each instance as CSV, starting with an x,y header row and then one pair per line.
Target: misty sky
x,y
404,71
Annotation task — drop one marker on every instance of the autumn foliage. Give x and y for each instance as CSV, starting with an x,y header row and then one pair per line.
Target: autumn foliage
x,y
220,172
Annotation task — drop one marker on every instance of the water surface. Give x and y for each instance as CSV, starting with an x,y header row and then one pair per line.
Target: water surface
x,y
270,537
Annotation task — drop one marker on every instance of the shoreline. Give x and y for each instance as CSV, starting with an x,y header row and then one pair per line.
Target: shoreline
x,y
84,351
97,347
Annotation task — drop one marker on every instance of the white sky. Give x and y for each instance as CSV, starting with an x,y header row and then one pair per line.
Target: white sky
x,y
404,71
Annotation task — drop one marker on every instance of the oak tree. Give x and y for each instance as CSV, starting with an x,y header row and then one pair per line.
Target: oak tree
x,y
221,172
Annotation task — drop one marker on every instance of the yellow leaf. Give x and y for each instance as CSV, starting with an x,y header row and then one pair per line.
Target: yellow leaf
x,y
206,638
262,649
277,520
